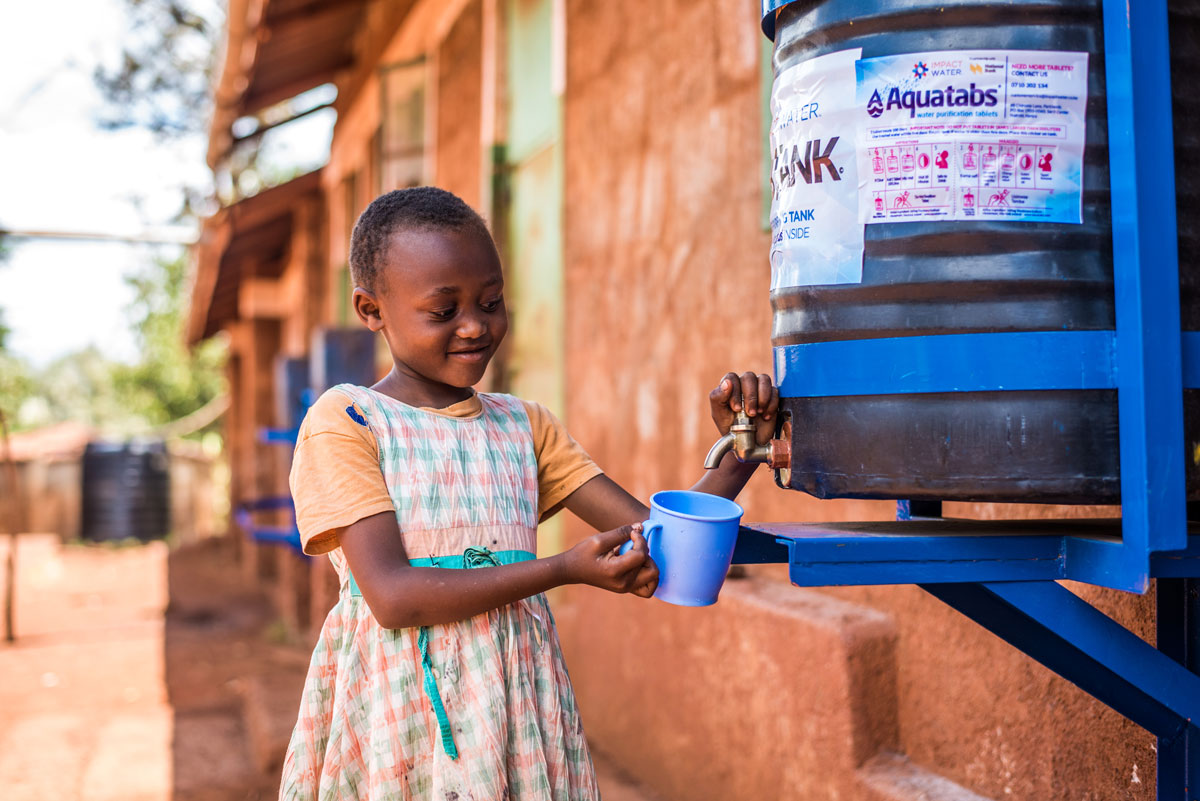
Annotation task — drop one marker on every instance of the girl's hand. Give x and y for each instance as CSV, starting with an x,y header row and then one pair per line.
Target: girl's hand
x,y
760,397
596,561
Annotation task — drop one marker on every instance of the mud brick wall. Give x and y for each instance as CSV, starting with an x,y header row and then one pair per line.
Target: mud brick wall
x,y
459,106
776,692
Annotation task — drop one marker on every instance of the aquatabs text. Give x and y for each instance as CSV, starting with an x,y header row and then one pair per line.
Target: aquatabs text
x,y
972,97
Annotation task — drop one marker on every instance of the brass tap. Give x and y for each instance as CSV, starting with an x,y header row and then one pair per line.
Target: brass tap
x,y
717,452
740,439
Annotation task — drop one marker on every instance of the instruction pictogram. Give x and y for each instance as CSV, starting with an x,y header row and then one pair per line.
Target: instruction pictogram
x,y
980,135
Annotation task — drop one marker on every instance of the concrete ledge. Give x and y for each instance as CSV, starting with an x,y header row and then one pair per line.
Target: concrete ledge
x,y
891,777
615,784
775,692
269,708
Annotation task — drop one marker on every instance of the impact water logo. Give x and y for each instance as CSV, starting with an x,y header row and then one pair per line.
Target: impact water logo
x,y
920,70
875,105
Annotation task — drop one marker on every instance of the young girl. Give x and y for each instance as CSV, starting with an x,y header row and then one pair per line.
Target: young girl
x,y
438,673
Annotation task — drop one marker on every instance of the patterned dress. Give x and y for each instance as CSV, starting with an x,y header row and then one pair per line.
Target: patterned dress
x,y
479,709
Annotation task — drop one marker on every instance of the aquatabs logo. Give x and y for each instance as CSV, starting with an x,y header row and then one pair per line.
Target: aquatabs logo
x,y
789,163
875,105
970,97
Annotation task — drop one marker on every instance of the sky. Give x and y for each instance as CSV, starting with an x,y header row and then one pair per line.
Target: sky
x,y
60,172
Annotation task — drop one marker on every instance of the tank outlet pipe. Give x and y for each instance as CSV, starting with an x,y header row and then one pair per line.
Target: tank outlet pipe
x,y
741,441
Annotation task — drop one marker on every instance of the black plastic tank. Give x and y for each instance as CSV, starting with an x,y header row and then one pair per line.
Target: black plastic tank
x,y
126,491
291,390
958,277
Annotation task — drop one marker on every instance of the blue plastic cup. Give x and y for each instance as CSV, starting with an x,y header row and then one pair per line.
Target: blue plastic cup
x,y
691,537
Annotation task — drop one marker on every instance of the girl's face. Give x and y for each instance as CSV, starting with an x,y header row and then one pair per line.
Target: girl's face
x,y
439,303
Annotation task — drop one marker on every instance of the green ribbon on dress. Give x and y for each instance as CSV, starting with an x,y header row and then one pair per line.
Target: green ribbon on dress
x,y
470,558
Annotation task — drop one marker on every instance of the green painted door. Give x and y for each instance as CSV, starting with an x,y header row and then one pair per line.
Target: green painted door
x,y
535,364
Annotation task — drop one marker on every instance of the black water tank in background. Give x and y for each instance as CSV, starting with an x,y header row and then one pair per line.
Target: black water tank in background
x,y
342,356
126,491
957,277
291,388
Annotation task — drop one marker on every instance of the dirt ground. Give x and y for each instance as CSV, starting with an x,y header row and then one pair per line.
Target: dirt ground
x,y
145,674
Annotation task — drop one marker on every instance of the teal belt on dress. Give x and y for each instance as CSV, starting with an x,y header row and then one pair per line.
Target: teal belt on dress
x,y
471,557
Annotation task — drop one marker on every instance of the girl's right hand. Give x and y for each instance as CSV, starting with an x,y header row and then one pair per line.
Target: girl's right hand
x,y
596,561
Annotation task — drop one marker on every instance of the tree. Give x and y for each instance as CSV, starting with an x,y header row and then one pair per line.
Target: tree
x,y
166,383
4,330
166,67
162,83
169,381
78,387
15,385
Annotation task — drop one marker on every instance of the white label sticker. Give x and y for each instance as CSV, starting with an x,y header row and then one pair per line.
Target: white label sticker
x,y
968,135
816,234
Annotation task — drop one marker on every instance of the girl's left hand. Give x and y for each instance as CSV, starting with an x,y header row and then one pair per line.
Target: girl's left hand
x,y
598,561
646,581
753,390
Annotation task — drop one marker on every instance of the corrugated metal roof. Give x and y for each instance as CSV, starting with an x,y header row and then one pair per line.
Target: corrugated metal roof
x,y
276,49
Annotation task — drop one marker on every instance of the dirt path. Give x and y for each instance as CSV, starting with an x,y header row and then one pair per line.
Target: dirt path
x,y
147,675
107,694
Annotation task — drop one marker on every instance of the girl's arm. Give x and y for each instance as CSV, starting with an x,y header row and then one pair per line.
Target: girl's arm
x,y
761,400
603,504
400,595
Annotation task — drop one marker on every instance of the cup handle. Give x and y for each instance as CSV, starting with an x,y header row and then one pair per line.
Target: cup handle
x,y
647,527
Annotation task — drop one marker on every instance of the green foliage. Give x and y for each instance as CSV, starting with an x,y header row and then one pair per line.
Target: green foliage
x,y
162,83
4,330
169,381
16,385
77,387
165,71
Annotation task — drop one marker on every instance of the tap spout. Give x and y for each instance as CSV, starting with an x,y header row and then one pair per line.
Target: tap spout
x,y
717,452
741,441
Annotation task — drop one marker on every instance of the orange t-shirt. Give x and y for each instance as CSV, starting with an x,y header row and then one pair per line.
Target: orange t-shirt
x,y
336,480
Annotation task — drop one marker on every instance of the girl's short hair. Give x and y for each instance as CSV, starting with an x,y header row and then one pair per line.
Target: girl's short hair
x,y
419,208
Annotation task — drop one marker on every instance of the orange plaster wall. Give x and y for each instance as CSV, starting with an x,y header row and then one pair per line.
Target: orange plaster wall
x,y
459,92
667,287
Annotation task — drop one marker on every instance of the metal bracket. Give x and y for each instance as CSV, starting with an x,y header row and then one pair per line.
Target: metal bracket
x,y
288,535
278,436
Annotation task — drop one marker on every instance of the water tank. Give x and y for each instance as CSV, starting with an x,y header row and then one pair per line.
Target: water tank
x,y
126,491
977,276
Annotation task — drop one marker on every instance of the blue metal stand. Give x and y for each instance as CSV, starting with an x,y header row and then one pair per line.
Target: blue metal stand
x,y
1003,574
926,551
1179,639
288,535
244,515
